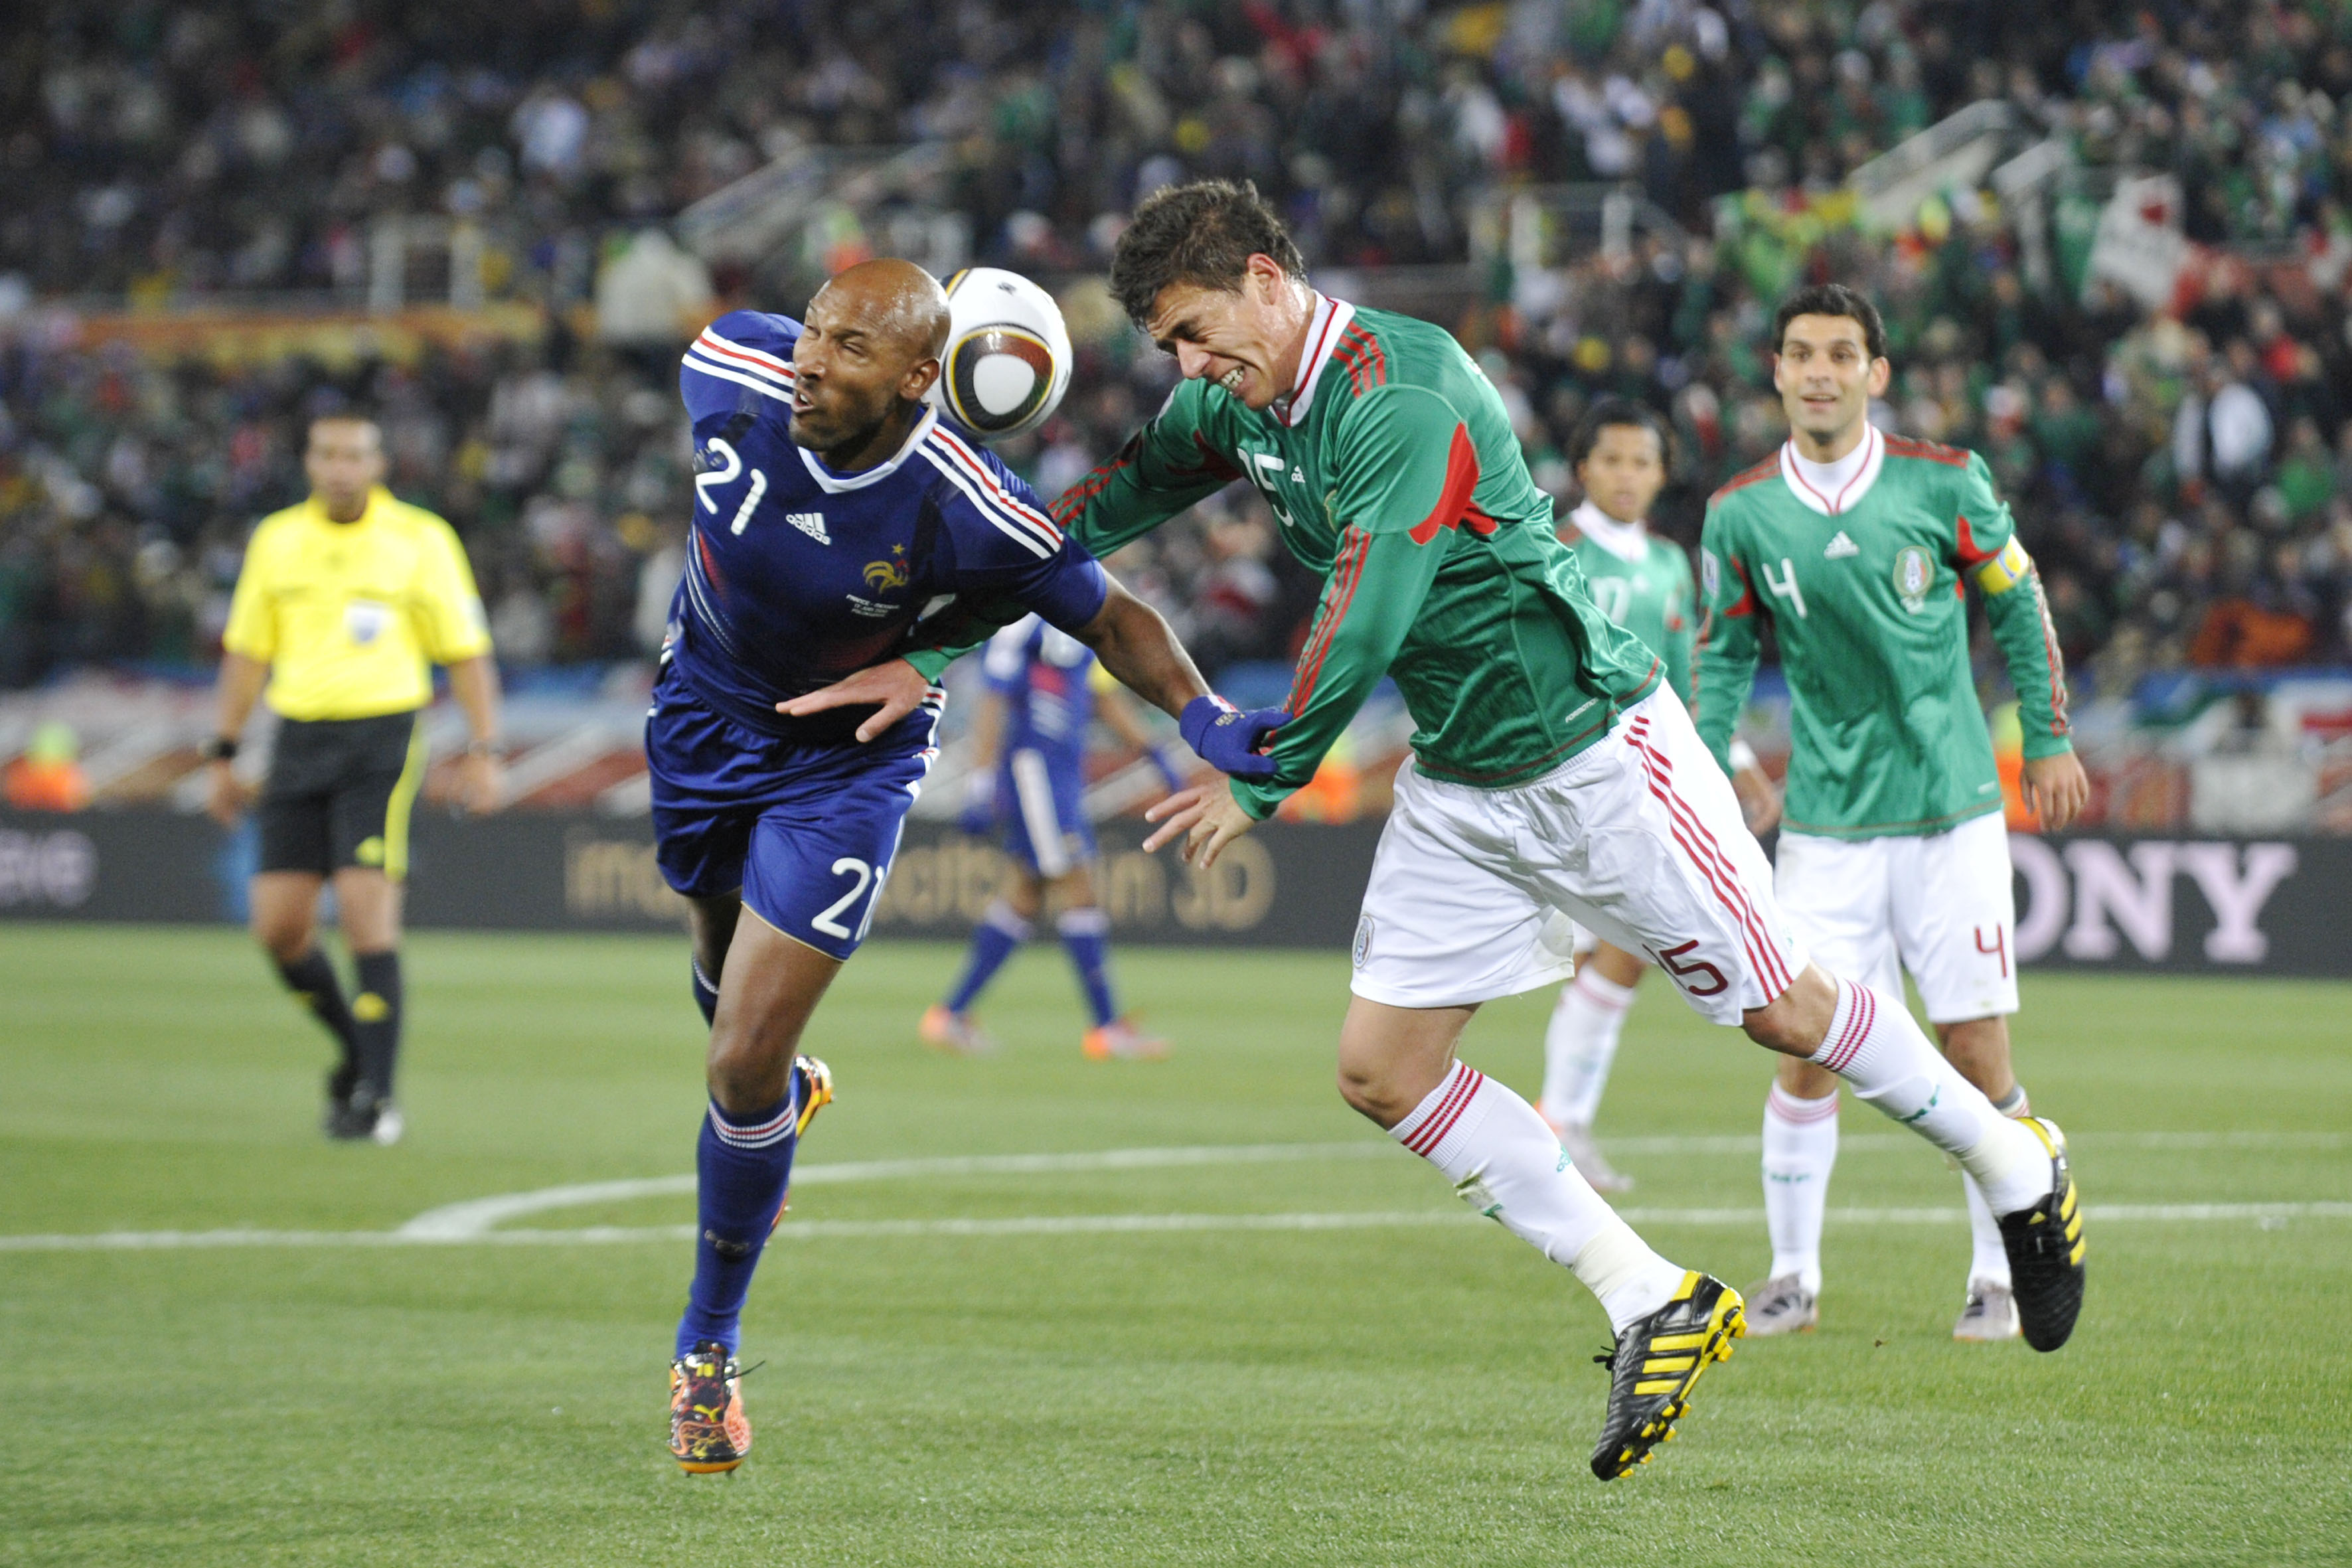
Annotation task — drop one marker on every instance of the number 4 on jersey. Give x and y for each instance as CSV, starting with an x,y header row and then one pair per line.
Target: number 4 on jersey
x,y
1784,586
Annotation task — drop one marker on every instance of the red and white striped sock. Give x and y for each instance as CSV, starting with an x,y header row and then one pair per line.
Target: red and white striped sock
x,y
1505,1162
1800,1143
1579,1045
1875,1046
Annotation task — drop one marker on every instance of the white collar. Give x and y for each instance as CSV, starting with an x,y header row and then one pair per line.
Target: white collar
x,y
833,484
1629,542
1832,489
1323,332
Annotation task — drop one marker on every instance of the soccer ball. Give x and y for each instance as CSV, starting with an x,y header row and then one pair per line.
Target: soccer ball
x,y
1008,358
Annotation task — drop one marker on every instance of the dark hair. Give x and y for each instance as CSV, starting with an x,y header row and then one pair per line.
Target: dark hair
x,y
1203,234
1616,411
1831,299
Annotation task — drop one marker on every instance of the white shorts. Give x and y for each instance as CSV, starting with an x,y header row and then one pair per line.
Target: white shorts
x,y
1938,904
1477,893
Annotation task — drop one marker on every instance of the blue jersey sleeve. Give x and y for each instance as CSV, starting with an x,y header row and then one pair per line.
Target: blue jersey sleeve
x,y
741,361
1005,544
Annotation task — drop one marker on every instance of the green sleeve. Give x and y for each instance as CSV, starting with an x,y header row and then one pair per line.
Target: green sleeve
x,y
1682,627
1172,463
1985,550
1727,643
1369,606
1406,470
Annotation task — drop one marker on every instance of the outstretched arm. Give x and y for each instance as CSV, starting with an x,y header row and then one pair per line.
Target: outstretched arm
x,y
1142,653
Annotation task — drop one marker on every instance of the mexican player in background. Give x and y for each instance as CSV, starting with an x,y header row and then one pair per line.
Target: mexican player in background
x,y
1028,780
1859,548
1555,779
1619,455
830,506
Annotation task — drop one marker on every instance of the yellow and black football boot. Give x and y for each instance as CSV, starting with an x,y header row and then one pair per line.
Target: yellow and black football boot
x,y
1654,1365
709,1432
2045,1246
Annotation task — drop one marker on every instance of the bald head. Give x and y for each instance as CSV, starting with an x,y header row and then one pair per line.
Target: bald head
x,y
894,300
868,352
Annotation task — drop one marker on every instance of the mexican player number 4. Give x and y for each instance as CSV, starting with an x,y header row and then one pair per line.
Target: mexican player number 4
x,y
1669,961
827,921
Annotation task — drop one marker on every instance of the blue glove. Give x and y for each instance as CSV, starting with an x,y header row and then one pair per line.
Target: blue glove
x,y
1228,738
1169,773
978,813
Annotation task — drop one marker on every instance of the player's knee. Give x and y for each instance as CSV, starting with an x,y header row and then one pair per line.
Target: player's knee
x,y
743,1081
1777,1028
285,935
1368,1092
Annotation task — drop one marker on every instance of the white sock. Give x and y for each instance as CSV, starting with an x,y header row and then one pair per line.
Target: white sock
x,y
1579,1045
1875,1046
1800,1143
1505,1162
1988,1258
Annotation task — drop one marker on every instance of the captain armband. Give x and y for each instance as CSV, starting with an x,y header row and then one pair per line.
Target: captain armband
x,y
2006,570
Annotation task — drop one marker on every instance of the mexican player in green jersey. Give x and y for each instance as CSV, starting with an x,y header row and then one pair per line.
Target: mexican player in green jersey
x,y
1859,548
1619,456
1555,779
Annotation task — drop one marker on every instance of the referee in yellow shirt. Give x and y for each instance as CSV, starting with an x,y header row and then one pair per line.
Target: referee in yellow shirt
x,y
341,603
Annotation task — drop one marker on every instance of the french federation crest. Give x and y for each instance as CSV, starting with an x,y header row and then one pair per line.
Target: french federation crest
x,y
1915,574
884,575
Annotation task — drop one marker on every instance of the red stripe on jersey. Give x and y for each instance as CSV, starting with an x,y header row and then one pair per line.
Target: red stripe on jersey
x,y
1346,573
1746,476
711,343
2059,723
1971,554
1746,603
1928,451
963,457
1461,480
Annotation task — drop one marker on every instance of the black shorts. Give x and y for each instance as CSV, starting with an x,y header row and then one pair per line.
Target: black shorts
x,y
340,791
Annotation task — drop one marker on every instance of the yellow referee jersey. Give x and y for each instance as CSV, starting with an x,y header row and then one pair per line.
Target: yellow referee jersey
x,y
346,613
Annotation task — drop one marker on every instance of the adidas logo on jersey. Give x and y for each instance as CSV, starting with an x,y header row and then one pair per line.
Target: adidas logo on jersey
x,y
811,523
1841,547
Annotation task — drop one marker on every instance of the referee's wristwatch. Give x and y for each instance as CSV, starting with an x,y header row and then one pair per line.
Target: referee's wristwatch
x,y
221,749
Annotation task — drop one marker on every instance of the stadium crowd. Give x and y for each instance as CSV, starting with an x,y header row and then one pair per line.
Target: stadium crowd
x,y
2178,472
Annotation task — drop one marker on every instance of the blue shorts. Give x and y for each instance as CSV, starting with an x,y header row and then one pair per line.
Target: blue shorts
x,y
1037,800
805,831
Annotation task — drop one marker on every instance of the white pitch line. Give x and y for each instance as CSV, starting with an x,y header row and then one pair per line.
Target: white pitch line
x,y
457,1221
1090,1224
474,1216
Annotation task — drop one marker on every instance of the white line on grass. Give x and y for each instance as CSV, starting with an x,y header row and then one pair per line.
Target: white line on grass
x,y
474,1216
1091,1224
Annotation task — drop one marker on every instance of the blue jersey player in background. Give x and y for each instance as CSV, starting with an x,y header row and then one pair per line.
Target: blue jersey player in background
x,y
1028,778
830,510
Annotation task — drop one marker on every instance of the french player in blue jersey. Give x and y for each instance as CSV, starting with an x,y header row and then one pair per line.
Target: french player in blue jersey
x,y
831,509
1029,745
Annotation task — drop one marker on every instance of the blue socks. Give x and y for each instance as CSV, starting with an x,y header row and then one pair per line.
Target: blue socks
x,y
742,1168
1000,932
1086,934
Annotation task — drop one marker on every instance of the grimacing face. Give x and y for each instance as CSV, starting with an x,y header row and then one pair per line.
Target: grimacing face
x,y
1624,471
1826,376
851,368
343,461
1244,340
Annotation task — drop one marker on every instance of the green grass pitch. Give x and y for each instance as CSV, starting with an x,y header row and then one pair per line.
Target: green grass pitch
x,y
1392,1394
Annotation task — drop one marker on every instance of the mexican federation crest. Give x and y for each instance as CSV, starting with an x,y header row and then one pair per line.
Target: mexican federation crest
x,y
1915,574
